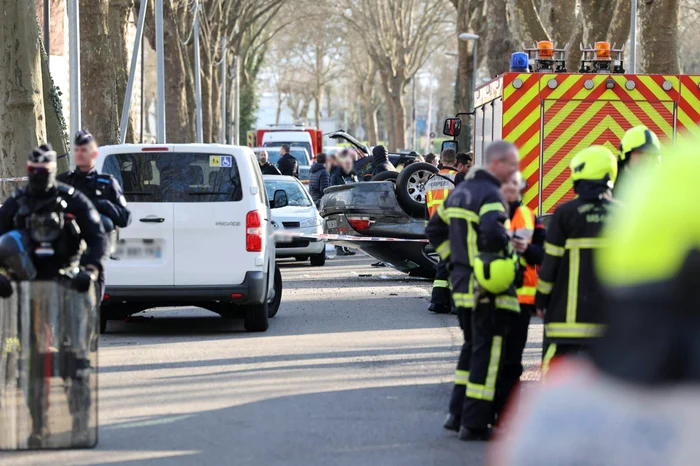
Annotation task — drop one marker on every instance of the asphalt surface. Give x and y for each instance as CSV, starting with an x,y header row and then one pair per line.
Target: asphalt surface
x,y
353,371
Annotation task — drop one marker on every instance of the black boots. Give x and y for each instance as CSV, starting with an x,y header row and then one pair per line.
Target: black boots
x,y
452,422
474,435
439,308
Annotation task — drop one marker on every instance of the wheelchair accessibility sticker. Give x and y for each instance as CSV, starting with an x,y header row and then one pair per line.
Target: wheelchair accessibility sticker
x,y
223,161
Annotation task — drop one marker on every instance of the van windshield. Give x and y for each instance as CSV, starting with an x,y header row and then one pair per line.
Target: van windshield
x,y
292,145
176,176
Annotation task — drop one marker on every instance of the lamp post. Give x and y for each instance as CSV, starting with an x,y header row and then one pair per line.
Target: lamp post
x,y
633,38
465,37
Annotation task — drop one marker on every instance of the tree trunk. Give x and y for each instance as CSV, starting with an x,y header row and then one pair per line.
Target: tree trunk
x,y
119,11
370,117
525,22
573,57
207,109
390,114
397,93
596,15
658,36
177,110
499,44
53,110
562,15
22,125
97,67
619,29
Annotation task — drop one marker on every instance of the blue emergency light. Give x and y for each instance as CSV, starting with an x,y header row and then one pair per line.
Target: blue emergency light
x,y
519,62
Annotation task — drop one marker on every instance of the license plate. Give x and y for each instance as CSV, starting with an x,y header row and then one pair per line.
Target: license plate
x,y
331,224
139,249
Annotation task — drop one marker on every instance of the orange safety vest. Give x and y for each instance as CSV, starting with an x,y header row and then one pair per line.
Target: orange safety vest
x,y
438,188
523,225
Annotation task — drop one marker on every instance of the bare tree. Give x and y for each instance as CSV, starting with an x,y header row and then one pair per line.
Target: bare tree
x,y
118,19
658,30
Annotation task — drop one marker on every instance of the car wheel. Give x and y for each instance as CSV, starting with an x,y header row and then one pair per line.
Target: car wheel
x,y
103,324
301,258
410,187
274,305
319,260
385,176
255,316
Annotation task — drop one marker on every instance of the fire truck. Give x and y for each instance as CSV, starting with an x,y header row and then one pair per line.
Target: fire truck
x,y
551,114
310,139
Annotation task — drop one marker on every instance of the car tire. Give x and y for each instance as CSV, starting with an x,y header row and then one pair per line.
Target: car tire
x,y
318,260
386,176
103,324
301,258
410,187
274,305
255,316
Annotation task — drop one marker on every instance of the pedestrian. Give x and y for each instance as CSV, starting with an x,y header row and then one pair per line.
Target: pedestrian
x,y
527,236
637,392
319,179
639,146
569,297
287,164
438,187
464,164
380,161
265,166
345,173
102,189
469,228
432,159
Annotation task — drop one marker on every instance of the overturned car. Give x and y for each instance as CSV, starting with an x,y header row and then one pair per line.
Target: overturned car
x,y
389,209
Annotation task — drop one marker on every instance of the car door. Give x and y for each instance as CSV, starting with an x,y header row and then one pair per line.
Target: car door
x,y
144,253
210,217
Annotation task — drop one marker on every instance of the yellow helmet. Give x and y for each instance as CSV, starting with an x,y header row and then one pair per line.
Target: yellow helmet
x,y
494,272
594,163
639,138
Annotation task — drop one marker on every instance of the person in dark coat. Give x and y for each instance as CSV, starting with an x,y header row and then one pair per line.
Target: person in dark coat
x,y
380,161
319,179
464,164
287,164
265,166
345,173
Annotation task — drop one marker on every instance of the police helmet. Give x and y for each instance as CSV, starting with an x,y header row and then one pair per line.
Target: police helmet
x,y
494,272
639,138
14,255
83,137
42,154
595,163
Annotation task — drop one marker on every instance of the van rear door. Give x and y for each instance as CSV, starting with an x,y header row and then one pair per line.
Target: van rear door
x,y
145,253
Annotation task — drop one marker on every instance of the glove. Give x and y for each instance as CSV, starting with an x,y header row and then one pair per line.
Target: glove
x,y
5,287
82,280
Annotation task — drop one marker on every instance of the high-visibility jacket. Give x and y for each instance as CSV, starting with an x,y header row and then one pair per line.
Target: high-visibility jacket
x,y
567,287
525,225
438,187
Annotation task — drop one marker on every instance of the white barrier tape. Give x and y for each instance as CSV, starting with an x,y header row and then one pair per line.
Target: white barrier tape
x,y
287,235
17,179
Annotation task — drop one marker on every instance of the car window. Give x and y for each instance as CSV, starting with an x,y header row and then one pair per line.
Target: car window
x,y
292,145
296,195
176,177
363,167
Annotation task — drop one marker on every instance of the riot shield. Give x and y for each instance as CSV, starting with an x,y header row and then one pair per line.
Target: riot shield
x,y
48,367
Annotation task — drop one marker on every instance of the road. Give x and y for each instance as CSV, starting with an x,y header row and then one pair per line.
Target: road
x,y
353,371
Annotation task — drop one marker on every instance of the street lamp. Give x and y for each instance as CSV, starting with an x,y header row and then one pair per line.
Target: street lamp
x,y
467,36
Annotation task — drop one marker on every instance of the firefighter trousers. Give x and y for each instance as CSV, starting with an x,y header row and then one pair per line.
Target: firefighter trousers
x,y
556,350
490,328
459,391
441,287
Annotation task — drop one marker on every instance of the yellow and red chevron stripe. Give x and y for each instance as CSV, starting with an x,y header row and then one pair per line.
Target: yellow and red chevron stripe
x,y
689,107
551,117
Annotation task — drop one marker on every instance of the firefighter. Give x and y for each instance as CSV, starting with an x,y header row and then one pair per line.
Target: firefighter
x,y
437,189
638,145
470,230
568,294
636,400
527,235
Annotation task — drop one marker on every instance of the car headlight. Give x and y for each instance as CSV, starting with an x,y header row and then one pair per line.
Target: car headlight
x,y
310,222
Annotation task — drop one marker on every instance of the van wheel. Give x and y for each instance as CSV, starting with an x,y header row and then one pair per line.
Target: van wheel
x,y
274,305
319,260
255,316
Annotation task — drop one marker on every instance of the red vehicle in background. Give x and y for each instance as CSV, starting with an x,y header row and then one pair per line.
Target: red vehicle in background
x,y
310,139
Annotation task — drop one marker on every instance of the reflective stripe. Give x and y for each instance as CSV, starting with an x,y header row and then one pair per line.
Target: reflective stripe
x,y
471,243
464,300
442,212
461,377
551,351
441,284
527,291
544,287
552,250
488,390
586,243
572,296
508,303
464,214
491,207
575,330
444,249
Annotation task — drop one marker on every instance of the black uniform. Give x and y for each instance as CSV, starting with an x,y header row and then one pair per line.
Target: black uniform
x,y
568,289
471,221
288,166
268,169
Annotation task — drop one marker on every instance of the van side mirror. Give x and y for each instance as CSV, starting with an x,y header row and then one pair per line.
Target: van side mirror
x,y
279,199
453,127
449,144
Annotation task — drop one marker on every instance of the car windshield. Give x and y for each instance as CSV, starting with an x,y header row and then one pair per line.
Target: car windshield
x,y
297,154
176,177
296,195
273,156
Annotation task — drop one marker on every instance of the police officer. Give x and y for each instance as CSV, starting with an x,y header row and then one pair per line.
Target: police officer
x,y
470,229
438,187
638,146
569,296
102,189
51,219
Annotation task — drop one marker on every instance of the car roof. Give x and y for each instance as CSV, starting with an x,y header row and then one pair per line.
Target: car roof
x,y
280,178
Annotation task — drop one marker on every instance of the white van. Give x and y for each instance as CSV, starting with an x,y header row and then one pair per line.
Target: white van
x,y
200,233
293,138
